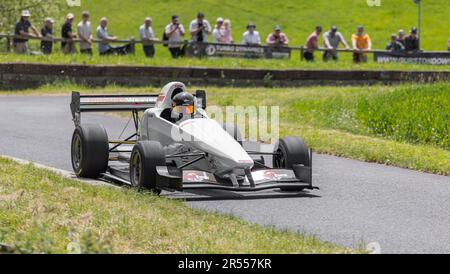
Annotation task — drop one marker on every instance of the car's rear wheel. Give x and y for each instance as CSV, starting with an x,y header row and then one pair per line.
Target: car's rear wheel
x,y
145,158
234,131
89,151
290,151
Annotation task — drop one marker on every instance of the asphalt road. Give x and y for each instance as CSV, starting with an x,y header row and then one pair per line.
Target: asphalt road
x,y
402,210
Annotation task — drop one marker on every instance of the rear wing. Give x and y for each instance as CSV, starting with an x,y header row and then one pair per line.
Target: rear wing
x,y
109,103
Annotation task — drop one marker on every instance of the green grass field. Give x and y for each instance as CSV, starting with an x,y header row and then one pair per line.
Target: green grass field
x,y
406,125
41,212
298,19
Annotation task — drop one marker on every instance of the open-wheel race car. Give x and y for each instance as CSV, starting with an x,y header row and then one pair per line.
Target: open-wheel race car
x,y
176,146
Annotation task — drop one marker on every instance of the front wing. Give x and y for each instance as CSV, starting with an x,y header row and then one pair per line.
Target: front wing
x,y
297,178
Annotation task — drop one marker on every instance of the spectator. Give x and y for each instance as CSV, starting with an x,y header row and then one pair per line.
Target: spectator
x,y
217,32
412,41
401,37
47,32
227,36
395,45
68,45
147,37
103,47
251,36
361,43
312,43
22,27
331,41
173,34
200,29
277,38
84,31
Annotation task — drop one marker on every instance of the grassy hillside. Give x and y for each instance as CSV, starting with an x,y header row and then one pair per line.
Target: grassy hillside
x,y
297,17
41,212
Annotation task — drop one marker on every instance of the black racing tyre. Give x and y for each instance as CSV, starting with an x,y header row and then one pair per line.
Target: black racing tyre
x,y
234,131
89,151
291,151
145,157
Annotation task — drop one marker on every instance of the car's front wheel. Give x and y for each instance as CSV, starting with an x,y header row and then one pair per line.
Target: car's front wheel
x,y
145,158
290,151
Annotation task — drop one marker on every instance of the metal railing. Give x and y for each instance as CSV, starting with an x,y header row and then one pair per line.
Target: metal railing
x,y
132,42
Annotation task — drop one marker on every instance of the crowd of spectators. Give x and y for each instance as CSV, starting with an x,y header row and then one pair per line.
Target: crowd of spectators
x,y
200,30
399,43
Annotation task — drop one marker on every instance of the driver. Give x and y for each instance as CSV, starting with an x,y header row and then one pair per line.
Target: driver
x,y
182,107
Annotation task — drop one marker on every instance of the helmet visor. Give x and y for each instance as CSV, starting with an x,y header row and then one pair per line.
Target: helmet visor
x,y
185,110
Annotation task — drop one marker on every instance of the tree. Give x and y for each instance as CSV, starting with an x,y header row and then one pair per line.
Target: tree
x,y
10,11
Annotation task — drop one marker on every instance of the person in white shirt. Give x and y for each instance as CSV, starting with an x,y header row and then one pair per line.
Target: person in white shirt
x,y
84,31
200,29
217,32
174,33
147,37
251,36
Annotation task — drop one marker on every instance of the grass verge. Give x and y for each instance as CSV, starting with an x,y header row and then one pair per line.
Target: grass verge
x,y
42,212
345,62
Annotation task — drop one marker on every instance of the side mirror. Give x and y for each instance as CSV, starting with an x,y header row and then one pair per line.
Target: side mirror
x,y
201,95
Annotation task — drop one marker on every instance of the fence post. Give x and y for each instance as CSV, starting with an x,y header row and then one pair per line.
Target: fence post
x,y
301,52
8,44
133,45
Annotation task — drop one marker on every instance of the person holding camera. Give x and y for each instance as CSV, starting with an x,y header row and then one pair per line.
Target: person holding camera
x,y
200,29
412,42
173,34
277,38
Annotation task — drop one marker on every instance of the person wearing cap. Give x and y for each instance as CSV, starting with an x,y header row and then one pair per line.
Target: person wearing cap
x,y
47,32
251,36
148,37
412,41
312,43
401,37
84,32
68,45
22,28
277,38
200,29
395,45
173,34
361,42
331,41
217,33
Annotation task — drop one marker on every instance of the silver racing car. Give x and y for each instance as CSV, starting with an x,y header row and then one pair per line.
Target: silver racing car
x,y
176,146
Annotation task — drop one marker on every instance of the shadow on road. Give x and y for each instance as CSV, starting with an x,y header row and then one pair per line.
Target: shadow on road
x,y
217,195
